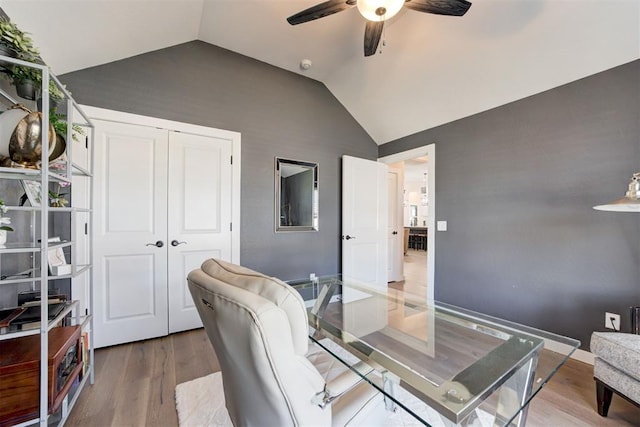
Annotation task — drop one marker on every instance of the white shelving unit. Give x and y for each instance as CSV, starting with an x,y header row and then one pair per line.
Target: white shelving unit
x,y
34,250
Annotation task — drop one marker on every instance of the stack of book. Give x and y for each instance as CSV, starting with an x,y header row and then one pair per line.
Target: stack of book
x,y
27,316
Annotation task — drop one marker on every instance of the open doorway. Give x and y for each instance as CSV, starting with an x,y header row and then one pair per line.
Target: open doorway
x,y
417,218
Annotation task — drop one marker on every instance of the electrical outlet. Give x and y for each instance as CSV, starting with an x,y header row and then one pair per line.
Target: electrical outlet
x,y
612,321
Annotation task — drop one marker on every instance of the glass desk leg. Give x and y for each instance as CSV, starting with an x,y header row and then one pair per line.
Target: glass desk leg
x,y
471,420
324,297
389,385
514,393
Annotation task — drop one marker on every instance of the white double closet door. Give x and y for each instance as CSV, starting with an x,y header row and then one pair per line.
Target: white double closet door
x,y
162,206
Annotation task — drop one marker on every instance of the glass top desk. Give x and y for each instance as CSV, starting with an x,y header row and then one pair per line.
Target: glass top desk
x,y
456,361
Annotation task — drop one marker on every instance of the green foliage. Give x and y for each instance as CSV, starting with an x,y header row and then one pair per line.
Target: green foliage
x,y
18,41
54,90
59,123
21,73
22,44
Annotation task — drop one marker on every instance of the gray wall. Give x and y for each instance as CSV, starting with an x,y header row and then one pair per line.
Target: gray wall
x,y
517,185
278,113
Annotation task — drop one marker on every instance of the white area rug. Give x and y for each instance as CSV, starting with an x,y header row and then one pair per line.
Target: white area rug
x,y
200,403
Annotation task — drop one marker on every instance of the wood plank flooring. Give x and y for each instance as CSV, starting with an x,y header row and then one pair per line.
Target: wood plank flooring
x,y
135,386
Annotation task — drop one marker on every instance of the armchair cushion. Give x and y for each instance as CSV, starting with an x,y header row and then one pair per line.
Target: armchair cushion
x,y
616,368
622,351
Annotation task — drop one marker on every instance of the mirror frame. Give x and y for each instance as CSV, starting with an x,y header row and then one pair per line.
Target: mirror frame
x,y
279,163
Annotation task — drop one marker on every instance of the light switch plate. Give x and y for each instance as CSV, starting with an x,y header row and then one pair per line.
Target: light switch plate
x,y
441,226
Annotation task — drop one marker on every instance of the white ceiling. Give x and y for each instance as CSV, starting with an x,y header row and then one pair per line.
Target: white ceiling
x,y
433,70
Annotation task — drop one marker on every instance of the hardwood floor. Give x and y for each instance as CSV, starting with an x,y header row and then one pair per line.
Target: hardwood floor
x,y
415,273
135,383
135,386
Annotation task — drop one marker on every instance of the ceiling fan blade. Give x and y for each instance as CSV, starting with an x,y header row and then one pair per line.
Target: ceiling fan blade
x,y
372,33
320,11
440,7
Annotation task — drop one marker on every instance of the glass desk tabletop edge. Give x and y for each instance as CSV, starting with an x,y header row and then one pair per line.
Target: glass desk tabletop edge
x,y
457,396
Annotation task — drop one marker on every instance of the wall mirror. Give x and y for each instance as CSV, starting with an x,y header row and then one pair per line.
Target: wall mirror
x,y
296,195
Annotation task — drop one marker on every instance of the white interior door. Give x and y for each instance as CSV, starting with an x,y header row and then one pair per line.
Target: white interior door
x,y
364,220
395,229
199,216
130,204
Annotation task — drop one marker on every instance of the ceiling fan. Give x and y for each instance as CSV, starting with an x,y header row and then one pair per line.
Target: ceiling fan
x,y
378,11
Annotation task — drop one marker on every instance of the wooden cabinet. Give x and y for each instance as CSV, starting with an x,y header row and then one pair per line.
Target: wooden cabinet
x,y
20,366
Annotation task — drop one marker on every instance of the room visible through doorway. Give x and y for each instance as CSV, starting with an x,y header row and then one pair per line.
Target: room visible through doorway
x,y
416,219
415,207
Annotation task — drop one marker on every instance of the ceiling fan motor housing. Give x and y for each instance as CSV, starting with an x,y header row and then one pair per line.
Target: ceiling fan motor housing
x,y
379,10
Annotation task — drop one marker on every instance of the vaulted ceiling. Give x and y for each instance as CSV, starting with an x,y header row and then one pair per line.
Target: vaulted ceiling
x,y
434,69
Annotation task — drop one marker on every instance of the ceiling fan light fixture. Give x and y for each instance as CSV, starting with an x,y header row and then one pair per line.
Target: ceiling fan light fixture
x,y
631,200
379,10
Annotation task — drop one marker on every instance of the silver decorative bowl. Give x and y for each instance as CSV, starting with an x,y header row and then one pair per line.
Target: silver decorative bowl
x,y
25,145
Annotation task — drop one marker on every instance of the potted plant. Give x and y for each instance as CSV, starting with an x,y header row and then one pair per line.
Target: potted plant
x,y
26,80
56,198
55,96
59,123
55,92
16,43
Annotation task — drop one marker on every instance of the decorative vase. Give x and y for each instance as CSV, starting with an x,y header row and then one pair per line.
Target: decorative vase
x,y
26,89
3,237
58,148
8,122
25,145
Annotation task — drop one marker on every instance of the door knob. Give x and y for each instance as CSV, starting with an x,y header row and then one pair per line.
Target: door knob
x,y
176,243
159,244
394,233
347,237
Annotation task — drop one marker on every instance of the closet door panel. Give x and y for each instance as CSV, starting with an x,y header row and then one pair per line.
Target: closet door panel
x,y
132,277
201,182
130,217
199,215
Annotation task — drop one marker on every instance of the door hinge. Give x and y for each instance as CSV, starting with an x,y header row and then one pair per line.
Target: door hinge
x,y
231,159
86,228
230,226
86,142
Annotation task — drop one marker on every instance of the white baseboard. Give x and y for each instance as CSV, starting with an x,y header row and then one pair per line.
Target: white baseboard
x,y
583,356
580,355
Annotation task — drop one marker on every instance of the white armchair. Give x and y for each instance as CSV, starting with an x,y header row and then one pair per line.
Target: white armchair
x,y
259,330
